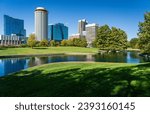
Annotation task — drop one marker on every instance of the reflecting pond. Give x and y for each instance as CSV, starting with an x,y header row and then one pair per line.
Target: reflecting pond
x,y
11,65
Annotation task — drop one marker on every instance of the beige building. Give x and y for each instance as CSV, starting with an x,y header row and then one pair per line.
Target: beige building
x,y
91,33
41,23
82,26
10,40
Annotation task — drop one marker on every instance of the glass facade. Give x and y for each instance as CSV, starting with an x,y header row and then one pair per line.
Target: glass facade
x,y
57,32
14,26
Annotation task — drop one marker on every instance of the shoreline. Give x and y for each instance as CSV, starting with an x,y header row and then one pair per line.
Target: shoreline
x,y
51,54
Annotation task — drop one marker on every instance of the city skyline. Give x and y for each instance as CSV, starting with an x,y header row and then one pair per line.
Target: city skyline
x,y
125,14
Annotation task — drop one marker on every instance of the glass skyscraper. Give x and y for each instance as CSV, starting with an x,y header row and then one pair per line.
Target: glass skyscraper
x,y
14,26
57,32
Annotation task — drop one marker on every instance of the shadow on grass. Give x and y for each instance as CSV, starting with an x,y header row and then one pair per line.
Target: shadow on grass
x,y
98,82
2,48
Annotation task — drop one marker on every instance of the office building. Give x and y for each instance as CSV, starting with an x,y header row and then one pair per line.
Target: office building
x,y
82,26
41,24
57,32
14,26
12,39
91,33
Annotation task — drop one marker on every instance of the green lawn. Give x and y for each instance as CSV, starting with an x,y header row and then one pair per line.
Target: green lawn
x,y
49,50
79,79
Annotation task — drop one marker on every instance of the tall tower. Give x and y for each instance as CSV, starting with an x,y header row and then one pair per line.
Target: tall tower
x,y
41,23
82,26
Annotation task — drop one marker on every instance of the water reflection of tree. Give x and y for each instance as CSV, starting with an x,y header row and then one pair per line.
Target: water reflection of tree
x,y
134,55
111,57
58,58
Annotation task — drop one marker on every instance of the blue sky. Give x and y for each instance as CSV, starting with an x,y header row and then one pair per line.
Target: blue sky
x,y
124,14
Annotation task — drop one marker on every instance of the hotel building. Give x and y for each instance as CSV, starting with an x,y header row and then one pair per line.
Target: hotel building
x,y
14,26
14,32
41,24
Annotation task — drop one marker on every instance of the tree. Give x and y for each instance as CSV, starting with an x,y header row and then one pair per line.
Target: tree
x,y
70,42
83,42
110,39
57,43
37,44
79,42
64,43
134,43
31,40
103,35
52,43
144,34
76,42
117,40
44,43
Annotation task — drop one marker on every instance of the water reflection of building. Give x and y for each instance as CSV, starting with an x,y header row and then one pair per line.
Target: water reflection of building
x,y
13,65
34,61
133,57
90,58
1,68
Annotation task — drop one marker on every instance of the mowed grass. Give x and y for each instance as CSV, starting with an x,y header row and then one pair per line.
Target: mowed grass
x,y
48,50
79,79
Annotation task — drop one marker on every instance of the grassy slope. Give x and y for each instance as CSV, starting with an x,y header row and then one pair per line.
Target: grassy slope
x,y
26,51
79,79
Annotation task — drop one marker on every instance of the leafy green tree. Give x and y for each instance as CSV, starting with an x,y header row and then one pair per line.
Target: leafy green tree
x,y
117,40
83,42
103,35
44,43
64,43
37,44
76,42
134,43
144,34
110,39
57,43
52,43
31,40
70,42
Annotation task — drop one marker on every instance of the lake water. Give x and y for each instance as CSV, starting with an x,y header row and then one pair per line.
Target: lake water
x,y
11,65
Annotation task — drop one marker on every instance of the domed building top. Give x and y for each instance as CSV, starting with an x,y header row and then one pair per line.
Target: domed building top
x,y
41,9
